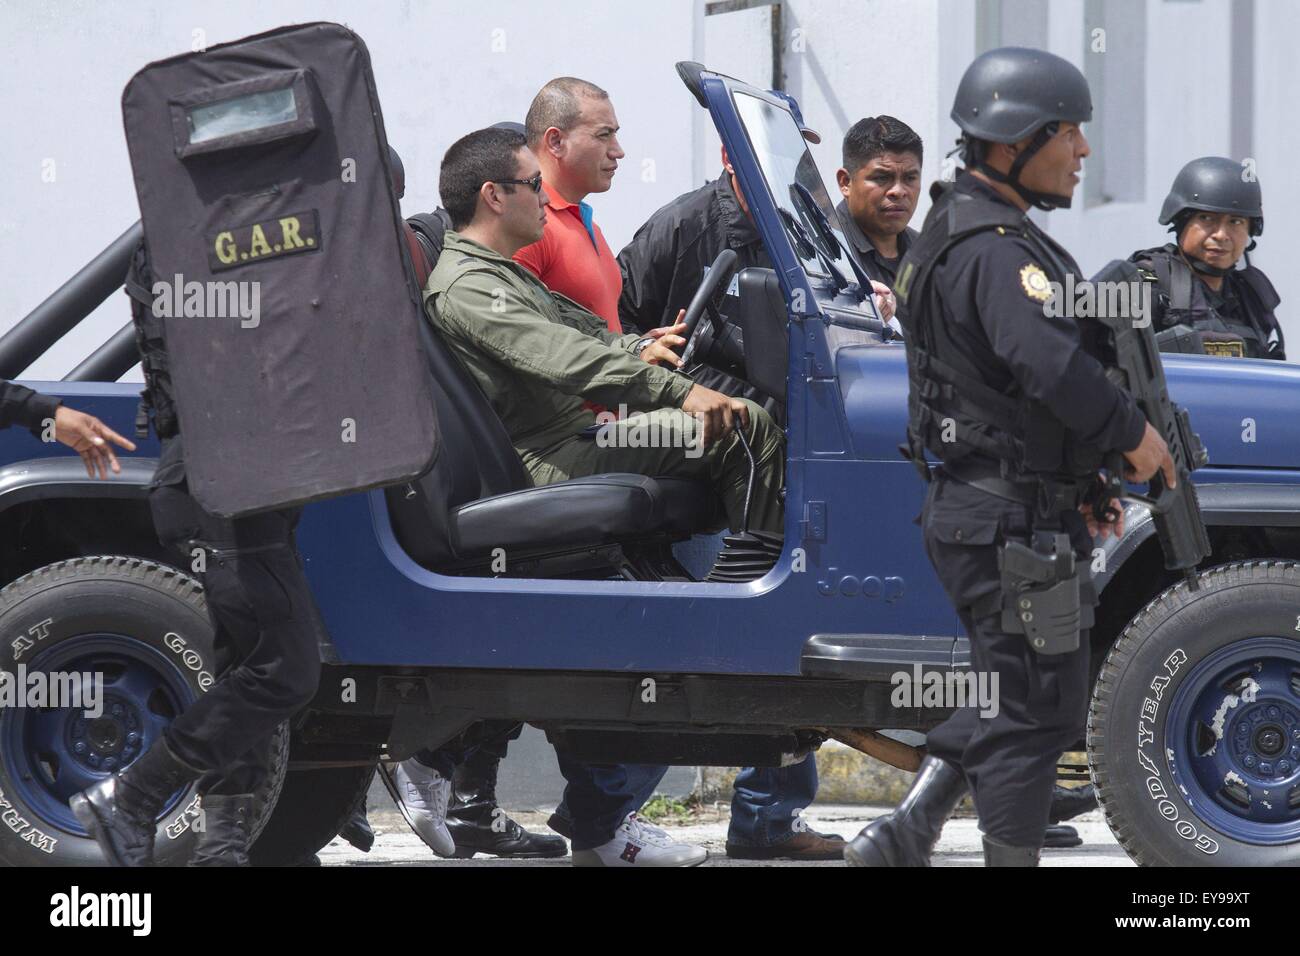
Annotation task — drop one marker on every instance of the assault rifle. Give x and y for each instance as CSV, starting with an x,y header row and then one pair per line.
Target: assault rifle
x,y
1138,369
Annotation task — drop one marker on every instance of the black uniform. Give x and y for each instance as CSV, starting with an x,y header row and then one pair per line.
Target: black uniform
x,y
19,405
1017,406
268,630
880,268
1240,314
666,260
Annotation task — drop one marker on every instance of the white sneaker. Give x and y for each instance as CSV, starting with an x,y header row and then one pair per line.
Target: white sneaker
x,y
640,843
422,794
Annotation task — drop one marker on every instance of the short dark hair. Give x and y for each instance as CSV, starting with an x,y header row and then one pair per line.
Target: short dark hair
x,y
480,157
876,135
557,104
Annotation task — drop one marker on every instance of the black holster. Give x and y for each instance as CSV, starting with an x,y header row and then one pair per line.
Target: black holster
x,y
1043,591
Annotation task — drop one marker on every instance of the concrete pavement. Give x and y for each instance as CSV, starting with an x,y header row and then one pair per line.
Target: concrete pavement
x,y
396,845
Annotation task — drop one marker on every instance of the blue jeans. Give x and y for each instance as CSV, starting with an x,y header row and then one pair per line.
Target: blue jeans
x,y
599,796
768,800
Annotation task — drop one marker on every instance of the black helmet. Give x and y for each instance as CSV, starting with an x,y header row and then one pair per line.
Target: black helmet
x,y
1007,94
1215,184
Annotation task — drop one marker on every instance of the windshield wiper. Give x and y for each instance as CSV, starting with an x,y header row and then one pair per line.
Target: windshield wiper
x,y
823,224
807,248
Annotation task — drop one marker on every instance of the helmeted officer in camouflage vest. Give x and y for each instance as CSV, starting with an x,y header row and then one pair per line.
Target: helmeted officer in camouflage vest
x,y
1205,301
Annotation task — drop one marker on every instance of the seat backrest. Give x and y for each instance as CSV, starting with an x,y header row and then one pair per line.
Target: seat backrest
x,y
429,229
418,258
477,459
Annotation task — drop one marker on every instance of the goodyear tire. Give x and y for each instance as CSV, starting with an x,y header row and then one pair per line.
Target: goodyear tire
x,y
1194,731
144,627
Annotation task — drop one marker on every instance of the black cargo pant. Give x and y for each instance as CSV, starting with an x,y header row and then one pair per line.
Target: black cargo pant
x,y
267,637
1009,759
489,739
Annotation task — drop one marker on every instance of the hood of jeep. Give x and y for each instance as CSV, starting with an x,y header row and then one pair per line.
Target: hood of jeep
x,y
1247,411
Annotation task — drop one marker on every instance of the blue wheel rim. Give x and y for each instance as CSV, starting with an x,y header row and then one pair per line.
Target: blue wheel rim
x,y
51,753
1233,740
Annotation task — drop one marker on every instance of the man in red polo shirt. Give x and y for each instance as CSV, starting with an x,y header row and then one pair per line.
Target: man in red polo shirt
x,y
572,128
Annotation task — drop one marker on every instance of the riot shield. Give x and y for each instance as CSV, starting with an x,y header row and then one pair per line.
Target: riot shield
x,y
289,305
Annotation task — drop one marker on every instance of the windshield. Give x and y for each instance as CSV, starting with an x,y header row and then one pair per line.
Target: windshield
x,y
802,199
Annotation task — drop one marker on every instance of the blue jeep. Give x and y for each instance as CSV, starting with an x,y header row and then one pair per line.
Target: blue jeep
x,y
470,596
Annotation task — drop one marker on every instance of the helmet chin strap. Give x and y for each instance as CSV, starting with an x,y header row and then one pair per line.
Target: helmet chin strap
x,y
1012,177
1204,268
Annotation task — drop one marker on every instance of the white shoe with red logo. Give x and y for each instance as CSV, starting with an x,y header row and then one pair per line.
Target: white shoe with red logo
x,y
638,843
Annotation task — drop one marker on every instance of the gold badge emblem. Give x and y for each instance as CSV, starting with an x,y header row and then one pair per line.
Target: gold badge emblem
x,y
1230,348
1034,281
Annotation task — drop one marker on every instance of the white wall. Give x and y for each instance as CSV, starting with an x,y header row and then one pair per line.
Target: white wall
x,y
1187,115
1276,146
1188,70
843,60
863,58
62,70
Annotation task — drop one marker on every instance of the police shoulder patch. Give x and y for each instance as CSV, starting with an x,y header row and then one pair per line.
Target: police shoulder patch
x,y
1034,281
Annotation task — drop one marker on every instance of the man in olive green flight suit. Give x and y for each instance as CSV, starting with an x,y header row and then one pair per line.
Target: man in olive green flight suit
x,y
538,355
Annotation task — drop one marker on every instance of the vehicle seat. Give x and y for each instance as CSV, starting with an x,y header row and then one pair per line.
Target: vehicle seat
x,y
478,497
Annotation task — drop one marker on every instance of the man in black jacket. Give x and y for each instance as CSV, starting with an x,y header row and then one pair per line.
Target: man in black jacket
x,y
668,257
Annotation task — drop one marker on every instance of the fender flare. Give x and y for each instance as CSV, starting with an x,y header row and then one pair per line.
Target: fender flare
x,y
1223,505
64,476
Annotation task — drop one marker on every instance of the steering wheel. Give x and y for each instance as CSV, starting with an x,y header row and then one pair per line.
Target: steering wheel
x,y
705,300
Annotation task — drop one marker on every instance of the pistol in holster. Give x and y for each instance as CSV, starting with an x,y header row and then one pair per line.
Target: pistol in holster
x,y
1042,592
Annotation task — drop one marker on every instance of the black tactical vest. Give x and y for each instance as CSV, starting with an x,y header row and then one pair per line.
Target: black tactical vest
x,y
157,394
1185,300
947,393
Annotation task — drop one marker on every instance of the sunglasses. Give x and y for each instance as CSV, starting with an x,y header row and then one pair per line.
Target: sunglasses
x,y
535,184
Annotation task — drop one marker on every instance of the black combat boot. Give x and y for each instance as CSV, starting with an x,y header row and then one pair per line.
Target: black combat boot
x,y
1068,803
357,830
121,811
1061,837
907,836
225,837
478,825
1001,854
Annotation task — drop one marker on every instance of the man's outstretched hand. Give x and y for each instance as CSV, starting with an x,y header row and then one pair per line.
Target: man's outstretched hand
x,y
89,438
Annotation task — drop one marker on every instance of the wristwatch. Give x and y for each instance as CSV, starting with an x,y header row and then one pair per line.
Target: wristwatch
x,y
641,344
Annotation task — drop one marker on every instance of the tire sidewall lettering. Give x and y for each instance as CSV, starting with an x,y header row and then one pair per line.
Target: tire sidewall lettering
x,y
1142,787
61,612
1151,757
